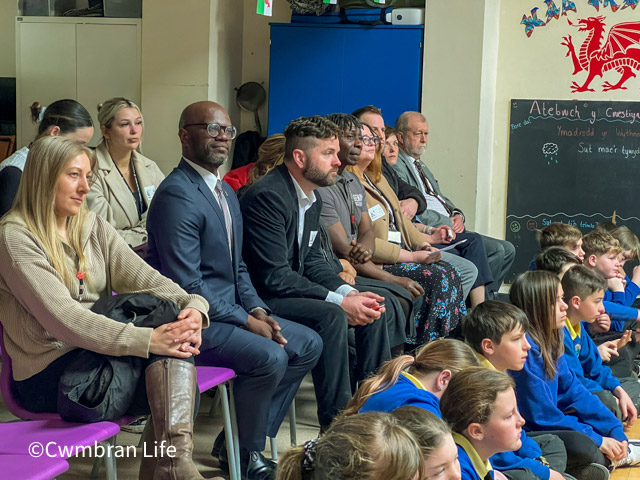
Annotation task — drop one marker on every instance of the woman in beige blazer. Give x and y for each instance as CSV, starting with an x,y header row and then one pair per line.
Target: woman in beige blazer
x,y
125,180
405,252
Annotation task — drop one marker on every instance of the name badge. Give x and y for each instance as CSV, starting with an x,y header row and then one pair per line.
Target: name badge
x,y
395,237
376,212
150,191
312,237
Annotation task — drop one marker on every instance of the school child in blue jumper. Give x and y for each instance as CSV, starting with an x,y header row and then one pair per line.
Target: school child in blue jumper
x,y
556,260
480,405
433,434
583,293
550,397
496,331
602,254
418,381
560,235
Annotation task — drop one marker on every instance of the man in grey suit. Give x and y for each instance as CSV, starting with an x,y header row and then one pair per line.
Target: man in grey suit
x,y
412,131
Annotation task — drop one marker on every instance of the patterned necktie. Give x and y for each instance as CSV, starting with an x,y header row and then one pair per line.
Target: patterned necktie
x,y
428,188
225,211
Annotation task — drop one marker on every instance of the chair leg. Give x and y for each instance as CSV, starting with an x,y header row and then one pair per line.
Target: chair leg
x,y
110,460
230,432
214,405
234,427
292,423
274,449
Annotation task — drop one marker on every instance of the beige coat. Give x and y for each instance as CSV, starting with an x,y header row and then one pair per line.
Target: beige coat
x,y
43,320
111,198
387,252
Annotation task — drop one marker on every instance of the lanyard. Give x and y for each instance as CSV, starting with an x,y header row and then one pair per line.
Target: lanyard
x,y
136,197
352,209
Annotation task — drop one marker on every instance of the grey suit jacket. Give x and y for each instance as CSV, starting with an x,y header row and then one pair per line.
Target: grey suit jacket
x,y
406,173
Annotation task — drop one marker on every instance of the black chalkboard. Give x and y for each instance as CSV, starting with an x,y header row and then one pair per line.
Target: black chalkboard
x,y
574,162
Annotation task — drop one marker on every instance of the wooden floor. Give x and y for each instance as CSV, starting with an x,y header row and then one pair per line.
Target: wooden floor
x,y
632,473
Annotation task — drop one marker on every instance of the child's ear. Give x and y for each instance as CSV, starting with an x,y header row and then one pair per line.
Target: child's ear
x,y
475,432
443,379
574,302
487,346
591,260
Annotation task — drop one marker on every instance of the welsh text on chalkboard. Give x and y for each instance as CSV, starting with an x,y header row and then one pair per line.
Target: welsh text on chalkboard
x,y
573,162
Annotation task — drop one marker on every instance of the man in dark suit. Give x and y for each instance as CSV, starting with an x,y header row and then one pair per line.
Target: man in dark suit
x,y
282,250
195,238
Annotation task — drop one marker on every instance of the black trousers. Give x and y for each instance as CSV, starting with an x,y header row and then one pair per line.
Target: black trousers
x,y
331,379
474,251
39,393
581,450
500,255
268,376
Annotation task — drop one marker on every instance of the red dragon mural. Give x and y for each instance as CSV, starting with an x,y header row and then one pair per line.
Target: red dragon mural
x,y
620,52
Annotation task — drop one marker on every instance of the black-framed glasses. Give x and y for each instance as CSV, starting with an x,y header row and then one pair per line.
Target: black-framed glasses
x,y
214,129
367,140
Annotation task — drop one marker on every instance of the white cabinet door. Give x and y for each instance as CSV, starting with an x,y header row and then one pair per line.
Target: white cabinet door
x,y
108,66
46,69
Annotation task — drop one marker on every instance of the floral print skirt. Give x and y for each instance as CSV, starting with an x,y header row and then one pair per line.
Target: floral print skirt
x,y
443,306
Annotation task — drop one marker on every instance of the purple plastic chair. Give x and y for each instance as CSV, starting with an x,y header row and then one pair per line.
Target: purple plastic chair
x,y
209,377
26,467
51,426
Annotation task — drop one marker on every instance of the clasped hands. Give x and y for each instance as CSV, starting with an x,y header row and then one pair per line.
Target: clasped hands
x,y
181,338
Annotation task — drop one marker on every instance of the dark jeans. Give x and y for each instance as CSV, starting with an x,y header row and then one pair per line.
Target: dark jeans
x,y
39,393
331,378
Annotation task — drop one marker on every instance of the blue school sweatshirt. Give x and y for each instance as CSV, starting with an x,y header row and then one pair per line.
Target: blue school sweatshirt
x,y
618,305
525,456
584,360
471,466
543,401
407,391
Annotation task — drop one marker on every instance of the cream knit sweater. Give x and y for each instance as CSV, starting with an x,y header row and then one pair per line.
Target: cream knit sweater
x,y
43,320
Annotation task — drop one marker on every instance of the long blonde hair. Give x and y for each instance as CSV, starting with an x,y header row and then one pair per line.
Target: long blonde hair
x,y
270,155
436,356
35,200
370,446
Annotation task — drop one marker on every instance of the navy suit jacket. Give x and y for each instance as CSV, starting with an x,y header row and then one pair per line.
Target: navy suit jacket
x,y
278,266
188,243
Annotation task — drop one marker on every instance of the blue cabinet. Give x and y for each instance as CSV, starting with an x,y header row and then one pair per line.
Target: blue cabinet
x,y
322,69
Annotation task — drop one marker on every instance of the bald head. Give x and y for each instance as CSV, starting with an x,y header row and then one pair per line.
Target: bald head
x,y
412,131
197,145
196,111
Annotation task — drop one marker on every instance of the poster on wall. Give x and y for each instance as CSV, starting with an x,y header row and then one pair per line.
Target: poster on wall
x,y
599,47
570,161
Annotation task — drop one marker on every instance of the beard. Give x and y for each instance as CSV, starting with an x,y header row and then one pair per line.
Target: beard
x,y
312,173
205,156
418,150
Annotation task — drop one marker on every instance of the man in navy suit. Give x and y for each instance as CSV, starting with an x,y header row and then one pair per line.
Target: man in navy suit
x,y
195,238
282,249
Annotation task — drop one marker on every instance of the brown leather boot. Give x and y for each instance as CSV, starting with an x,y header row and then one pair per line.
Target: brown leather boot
x,y
171,389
